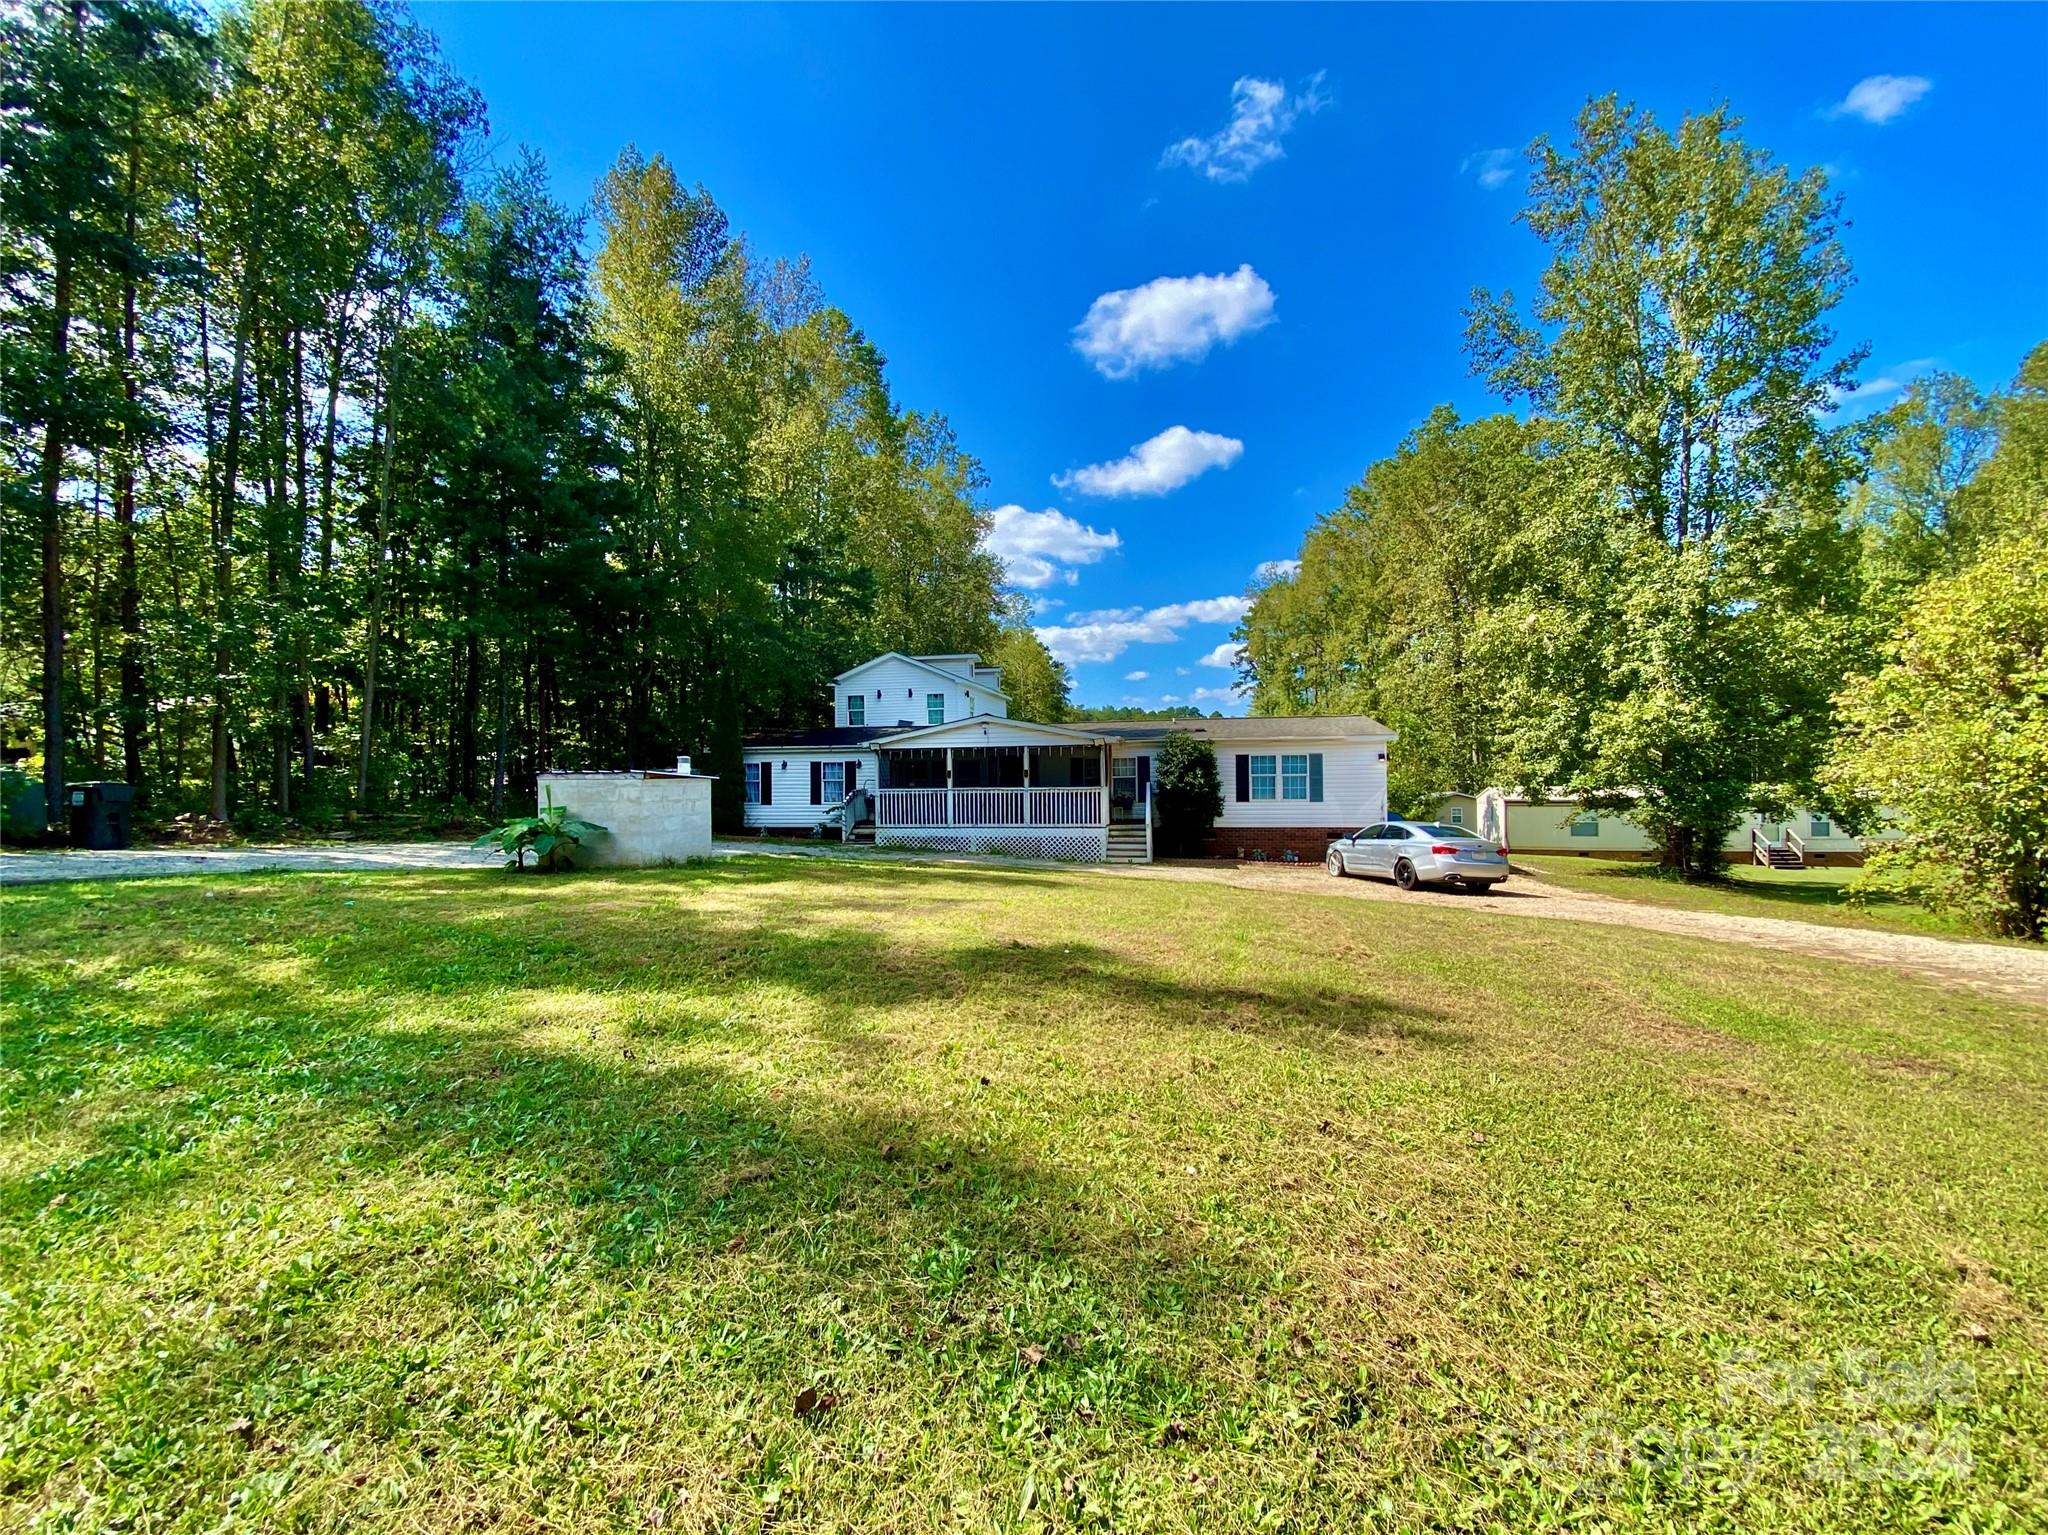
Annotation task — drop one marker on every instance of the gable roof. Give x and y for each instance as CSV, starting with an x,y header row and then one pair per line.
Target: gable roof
x,y
922,663
1010,727
1266,727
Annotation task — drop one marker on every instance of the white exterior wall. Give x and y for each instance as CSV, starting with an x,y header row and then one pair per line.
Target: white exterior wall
x,y
1354,785
1547,829
649,818
790,770
903,687
1466,807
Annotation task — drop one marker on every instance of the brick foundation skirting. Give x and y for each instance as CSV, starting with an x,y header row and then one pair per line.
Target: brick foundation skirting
x,y
1307,843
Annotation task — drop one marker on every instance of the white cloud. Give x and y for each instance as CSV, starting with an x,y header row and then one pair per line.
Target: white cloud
x,y
1226,655
1137,676
1155,466
1038,548
1105,634
1491,168
1880,98
1169,698
1890,382
1273,570
1231,695
1182,671
1262,113
1171,319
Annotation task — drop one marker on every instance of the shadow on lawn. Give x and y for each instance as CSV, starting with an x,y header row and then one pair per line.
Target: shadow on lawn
x,y
303,1013
286,1075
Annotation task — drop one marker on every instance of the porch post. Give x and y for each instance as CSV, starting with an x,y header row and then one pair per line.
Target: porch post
x,y
949,786
1105,784
1027,750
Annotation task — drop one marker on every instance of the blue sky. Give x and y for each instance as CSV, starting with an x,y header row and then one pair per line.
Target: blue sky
x,y
1179,275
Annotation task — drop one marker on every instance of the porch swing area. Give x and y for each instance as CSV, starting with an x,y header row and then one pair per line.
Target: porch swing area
x,y
993,787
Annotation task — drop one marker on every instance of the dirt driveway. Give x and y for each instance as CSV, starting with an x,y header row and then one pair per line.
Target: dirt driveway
x,y
2000,969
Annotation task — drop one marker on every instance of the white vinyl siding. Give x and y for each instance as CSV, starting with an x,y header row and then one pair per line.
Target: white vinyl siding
x,y
1354,785
789,771
893,692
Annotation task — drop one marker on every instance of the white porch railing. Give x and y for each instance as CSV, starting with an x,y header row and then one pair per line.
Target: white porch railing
x,y
992,807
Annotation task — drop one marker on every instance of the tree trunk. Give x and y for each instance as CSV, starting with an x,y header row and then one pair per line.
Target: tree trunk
x,y
223,556
302,661
376,554
464,734
134,696
53,544
498,763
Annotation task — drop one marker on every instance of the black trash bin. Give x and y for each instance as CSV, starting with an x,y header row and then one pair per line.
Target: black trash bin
x,y
100,814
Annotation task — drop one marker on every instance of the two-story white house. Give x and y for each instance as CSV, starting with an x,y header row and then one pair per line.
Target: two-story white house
x,y
923,750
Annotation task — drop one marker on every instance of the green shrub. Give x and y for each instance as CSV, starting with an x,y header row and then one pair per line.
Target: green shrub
x,y
550,836
23,814
1187,794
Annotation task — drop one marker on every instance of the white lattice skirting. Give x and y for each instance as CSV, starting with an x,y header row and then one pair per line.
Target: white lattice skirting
x,y
1068,844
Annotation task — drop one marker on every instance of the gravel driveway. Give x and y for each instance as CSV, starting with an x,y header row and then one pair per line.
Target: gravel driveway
x,y
1999,969
132,863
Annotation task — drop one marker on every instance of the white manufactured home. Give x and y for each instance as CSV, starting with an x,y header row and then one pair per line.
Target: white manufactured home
x,y
1554,823
922,752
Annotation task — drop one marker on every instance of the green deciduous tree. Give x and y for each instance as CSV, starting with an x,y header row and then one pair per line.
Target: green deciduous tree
x,y
366,489
1680,346
1035,683
1952,737
1394,608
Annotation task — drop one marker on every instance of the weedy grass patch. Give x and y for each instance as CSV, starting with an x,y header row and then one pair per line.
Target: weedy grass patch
x,y
859,1196
1831,896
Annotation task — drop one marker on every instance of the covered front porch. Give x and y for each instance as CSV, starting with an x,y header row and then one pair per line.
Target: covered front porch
x,y
1010,786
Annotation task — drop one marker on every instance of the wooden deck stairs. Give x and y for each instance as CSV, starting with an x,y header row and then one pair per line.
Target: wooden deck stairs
x,y
1127,842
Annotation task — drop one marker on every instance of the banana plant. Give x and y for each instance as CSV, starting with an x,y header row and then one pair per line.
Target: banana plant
x,y
550,836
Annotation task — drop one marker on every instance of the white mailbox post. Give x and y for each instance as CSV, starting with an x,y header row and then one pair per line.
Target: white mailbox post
x,y
656,817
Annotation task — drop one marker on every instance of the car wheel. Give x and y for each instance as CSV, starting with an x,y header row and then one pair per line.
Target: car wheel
x,y
1404,875
1336,864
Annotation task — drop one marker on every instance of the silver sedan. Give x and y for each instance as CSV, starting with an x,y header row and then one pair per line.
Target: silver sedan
x,y
1412,853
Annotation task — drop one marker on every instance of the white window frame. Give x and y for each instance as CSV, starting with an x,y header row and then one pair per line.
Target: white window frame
x,y
753,772
1585,826
1270,775
1819,826
935,708
856,709
1289,775
827,771
1457,815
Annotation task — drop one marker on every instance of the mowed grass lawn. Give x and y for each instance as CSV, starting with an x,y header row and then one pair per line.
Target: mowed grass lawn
x,y
1819,894
793,1195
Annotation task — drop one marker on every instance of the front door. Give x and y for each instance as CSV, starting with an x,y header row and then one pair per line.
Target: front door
x,y
1123,789
1128,785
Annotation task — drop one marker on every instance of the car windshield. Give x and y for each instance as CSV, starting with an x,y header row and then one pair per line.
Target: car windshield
x,y
1429,829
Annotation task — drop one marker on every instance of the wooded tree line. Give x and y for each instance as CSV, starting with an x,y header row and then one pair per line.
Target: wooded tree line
x,y
338,474
1658,589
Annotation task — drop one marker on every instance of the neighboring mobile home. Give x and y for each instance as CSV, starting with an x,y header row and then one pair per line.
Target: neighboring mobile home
x,y
1554,823
922,752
